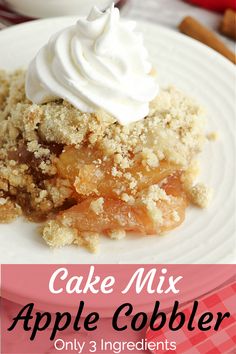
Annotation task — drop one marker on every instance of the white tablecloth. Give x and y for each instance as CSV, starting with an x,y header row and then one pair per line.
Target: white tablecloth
x,y
170,13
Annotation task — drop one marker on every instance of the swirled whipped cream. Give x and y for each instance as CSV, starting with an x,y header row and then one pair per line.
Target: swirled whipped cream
x,y
99,63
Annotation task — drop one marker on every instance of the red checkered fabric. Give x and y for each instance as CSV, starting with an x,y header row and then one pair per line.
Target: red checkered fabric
x,y
222,341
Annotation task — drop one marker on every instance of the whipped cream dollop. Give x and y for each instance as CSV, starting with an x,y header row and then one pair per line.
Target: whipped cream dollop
x,y
99,63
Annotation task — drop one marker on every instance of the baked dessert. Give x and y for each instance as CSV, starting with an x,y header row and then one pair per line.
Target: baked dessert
x,y
111,155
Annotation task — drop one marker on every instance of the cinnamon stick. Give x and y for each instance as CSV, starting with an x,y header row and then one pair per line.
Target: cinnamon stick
x,y
228,24
196,30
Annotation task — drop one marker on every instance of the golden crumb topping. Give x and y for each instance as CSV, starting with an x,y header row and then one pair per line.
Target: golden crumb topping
x,y
8,210
117,234
173,130
56,235
200,195
53,156
97,206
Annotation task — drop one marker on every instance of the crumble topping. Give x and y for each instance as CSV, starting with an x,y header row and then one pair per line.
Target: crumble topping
x,y
117,234
3,201
213,136
149,198
175,216
129,199
149,158
9,210
200,195
172,131
97,206
56,235
89,240
33,137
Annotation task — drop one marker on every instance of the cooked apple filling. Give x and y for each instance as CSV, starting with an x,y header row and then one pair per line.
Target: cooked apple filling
x,y
85,175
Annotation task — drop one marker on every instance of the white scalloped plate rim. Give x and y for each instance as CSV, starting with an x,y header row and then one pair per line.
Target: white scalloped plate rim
x,y
207,236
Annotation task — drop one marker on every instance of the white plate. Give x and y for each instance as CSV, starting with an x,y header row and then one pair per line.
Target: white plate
x,y
207,236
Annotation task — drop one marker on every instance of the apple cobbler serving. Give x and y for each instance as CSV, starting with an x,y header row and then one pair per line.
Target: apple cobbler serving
x,y
97,150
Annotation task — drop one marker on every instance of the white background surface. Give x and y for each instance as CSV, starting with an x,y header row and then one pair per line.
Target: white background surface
x,y
171,12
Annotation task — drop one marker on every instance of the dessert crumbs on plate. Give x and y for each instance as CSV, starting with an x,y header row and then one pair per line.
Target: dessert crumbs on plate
x,y
213,136
200,195
33,138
